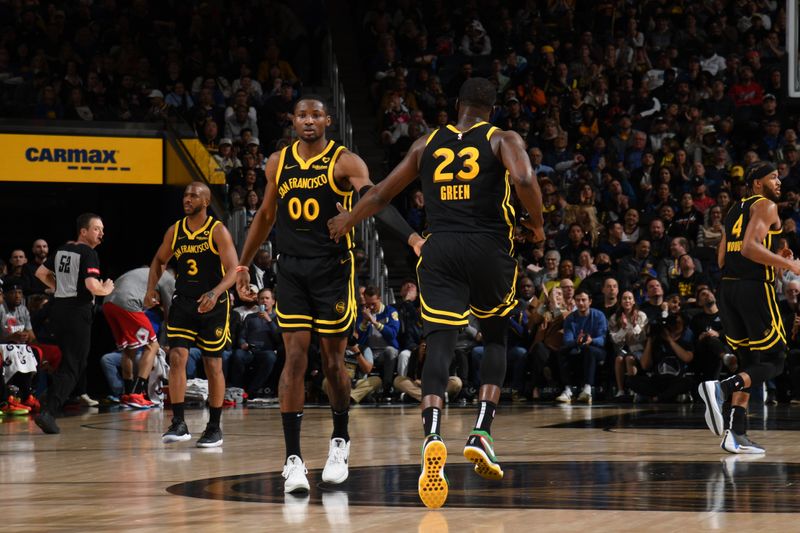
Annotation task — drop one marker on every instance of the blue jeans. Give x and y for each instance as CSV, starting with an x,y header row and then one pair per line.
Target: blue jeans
x,y
111,365
262,361
516,359
587,356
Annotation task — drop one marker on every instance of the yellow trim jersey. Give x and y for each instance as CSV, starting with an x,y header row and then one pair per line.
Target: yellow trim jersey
x,y
738,266
199,268
466,186
307,198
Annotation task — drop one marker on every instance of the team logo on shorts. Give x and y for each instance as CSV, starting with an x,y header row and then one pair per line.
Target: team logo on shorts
x,y
218,332
767,332
339,307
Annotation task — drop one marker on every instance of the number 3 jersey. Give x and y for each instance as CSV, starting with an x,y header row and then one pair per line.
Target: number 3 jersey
x,y
307,198
738,266
466,186
198,266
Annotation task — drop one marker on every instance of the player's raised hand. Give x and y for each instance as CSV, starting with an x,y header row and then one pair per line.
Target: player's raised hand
x,y
339,225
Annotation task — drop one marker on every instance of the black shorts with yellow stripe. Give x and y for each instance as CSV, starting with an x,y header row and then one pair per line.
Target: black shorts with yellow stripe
x,y
463,273
316,293
750,316
210,332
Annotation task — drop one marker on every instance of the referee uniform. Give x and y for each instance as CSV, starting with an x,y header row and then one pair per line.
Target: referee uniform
x,y
71,316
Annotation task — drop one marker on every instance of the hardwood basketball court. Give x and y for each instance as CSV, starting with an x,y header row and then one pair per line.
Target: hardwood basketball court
x,y
605,468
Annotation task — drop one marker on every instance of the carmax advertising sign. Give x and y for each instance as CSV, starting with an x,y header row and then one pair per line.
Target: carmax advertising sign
x,y
72,159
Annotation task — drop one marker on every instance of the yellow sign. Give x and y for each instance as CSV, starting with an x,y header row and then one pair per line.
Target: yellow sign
x,y
74,159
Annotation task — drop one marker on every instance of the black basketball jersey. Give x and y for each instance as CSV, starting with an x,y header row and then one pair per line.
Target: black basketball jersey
x,y
199,268
466,186
738,266
307,197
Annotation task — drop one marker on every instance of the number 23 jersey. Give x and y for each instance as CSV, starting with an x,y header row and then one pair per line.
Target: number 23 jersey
x,y
466,186
307,198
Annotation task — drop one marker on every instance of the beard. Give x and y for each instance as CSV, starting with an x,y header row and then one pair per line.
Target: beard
x,y
770,194
191,211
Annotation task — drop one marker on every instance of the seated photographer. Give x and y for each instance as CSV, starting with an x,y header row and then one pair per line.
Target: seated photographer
x,y
667,353
710,351
358,364
411,384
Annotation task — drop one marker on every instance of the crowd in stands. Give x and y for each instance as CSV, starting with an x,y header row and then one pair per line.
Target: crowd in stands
x,y
640,119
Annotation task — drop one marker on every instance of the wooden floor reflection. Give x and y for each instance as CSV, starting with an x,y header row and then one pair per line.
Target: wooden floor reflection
x,y
602,467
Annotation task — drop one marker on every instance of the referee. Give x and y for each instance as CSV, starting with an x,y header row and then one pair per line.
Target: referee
x,y
74,273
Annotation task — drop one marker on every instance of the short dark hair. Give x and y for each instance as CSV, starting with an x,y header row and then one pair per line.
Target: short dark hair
x,y
372,290
313,98
583,290
478,92
84,220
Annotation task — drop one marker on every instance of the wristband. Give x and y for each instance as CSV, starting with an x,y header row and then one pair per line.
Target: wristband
x,y
241,268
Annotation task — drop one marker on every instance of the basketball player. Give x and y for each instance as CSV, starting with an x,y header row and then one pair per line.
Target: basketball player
x,y
205,260
74,273
467,263
748,306
316,276
132,330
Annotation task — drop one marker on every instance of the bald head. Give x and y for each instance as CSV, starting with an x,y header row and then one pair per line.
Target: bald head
x,y
196,198
201,189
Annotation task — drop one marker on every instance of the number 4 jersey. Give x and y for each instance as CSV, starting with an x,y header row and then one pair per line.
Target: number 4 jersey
x,y
466,186
307,198
738,266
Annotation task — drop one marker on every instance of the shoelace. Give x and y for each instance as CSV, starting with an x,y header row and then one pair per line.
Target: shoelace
x,y
289,469
338,455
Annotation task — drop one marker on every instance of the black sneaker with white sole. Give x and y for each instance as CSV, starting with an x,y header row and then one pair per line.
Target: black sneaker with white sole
x,y
211,437
177,432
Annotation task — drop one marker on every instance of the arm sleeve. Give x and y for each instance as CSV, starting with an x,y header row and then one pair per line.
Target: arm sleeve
x,y
90,264
392,218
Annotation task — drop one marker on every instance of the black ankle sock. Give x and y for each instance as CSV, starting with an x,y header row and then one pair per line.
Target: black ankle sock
x,y
431,421
139,385
486,413
731,385
340,422
177,410
291,432
726,414
216,413
128,387
739,420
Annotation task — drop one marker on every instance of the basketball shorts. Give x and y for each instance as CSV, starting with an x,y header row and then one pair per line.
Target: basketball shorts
x,y
463,273
210,332
130,329
316,293
750,316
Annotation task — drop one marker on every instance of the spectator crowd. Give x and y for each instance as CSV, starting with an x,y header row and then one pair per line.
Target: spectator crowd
x,y
640,119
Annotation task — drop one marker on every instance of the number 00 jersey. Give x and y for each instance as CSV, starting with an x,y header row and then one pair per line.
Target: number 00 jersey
x,y
466,186
738,266
199,268
307,197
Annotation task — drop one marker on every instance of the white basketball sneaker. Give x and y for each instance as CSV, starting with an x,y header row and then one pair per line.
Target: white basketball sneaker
x,y
335,470
294,472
